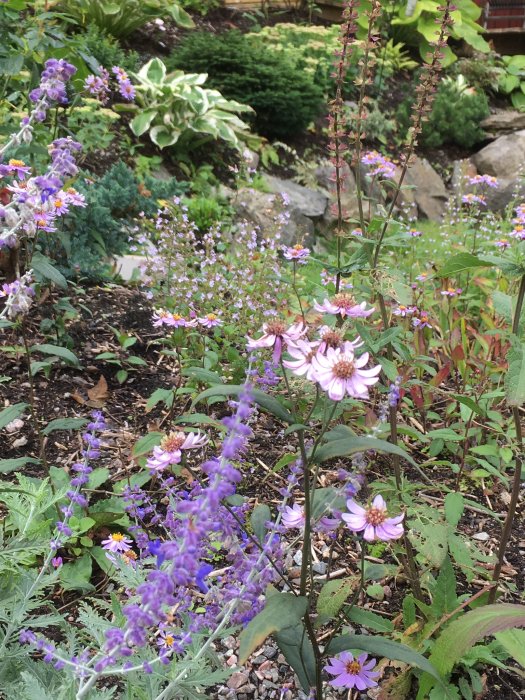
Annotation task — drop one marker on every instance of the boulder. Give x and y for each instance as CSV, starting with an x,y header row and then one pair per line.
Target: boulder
x,y
504,157
267,212
428,189
310,203
504,121
509,189
325,176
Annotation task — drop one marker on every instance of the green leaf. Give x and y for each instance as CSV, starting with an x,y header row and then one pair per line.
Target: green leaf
x,y
142,122
146,444
64,424
369,619
9,414
58,351
467,630
354,444
164,396
379,646
298,651
269,404
11,465
281,610
515,377
75,576
202,375
454,507
445,598
326,500
513,641
460,263
332,597
261,514
45,270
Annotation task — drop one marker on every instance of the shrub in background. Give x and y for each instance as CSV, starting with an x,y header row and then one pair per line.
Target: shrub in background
x,y
107,50
456,114
285,97
102,229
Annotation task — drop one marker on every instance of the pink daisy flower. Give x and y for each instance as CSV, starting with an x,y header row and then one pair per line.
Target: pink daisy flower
x,y
451,292
297,252
293,517
60,204
170,449
373,521
352,673
502,243
330,338
344,304
403,311
75,198
518,231
18,168
303,353
421,322
117,543
210,321
339,373
274,333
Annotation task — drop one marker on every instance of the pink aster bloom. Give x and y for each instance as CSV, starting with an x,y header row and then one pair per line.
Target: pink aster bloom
x,y
474,199
403,311
373,521
170,449
422,321
293,517
274,333
352,673
117,543
210,321
502,243
422,277
303,353
415,233
451,292
60,204
330,338
75,198
339,373
344,304
297,252
357,232
518,232
18,168
487,180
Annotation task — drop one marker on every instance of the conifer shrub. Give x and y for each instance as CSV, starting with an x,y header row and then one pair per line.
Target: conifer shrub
x,y
284,96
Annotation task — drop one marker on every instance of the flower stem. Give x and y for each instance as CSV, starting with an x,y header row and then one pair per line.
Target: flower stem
x,y
516,484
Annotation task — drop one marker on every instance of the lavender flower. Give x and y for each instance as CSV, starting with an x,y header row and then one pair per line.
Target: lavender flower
x,y
352,673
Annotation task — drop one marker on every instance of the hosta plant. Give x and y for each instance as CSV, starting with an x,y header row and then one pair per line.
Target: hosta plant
x,y
176,107
123,17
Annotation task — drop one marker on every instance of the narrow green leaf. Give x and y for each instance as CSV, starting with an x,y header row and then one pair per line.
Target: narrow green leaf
x,y
164,396
454,507
515,377
369,619
513,641
45,270
460,263
64,424
261,514
11,465
269,403
9,414
280,611
146,444
352,445
205,376
58,351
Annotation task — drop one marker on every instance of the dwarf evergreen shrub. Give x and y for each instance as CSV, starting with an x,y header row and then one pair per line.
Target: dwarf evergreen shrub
x,y
285,97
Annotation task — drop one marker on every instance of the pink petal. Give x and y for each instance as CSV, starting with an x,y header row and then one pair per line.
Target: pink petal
x,y
354,507
370,533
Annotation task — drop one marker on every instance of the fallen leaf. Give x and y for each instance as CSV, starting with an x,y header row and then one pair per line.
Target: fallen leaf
x,y
76,397
99,393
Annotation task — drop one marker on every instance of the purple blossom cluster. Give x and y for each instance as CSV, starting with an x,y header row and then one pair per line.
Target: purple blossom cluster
x,y
53,86
379,166
100,86
18,296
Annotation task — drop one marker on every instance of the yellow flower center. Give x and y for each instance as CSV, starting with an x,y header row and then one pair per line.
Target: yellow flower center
x,y
59,203
353,667
117,537
375,516
343,369
172,442
211,317
16,163
169,640
344,300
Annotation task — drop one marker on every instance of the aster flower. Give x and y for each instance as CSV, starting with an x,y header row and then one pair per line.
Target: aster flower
x,y
303,353
293,517
373,521
345,305
422,321
117,543
274,333
127,90
75,198
210,321
404,311
357,232
298,253
18,168
422,277
170,449
330,338
487,180
60,204
352,673
474,199
415,233
340,373
518,231
451,292
503,243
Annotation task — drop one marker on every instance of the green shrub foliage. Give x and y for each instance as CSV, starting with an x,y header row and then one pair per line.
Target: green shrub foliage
x,y
455,117
103,228
107,50
285,97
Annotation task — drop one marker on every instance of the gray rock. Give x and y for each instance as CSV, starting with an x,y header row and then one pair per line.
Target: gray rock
x,y
161,173
325,176
461,169
428,190
269,652
509,188
504,157
310,203
504,121
264,211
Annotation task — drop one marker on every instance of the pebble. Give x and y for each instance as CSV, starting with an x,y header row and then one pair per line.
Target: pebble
x,y
269,652
259,660
237,680
481,536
